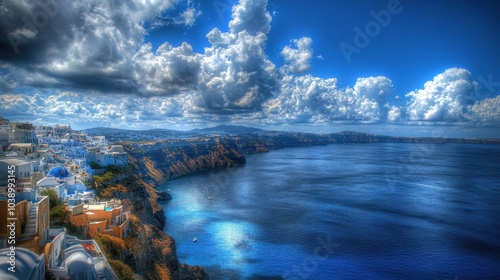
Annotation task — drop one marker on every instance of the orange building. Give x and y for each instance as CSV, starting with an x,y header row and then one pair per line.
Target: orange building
x,y
31,221
100,219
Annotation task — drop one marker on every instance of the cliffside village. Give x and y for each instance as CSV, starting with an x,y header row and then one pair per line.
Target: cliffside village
x,y
34,159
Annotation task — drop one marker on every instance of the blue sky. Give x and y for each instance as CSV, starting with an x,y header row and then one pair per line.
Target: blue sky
x,y
431,69
422,41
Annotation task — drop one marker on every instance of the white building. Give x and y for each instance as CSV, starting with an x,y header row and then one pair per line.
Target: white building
x,y
78,259
54,184
29,265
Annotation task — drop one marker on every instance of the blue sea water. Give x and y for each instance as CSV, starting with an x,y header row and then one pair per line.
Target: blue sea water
x,y
344,211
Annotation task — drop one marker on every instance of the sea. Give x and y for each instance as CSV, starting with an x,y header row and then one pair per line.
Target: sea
x,y
344,211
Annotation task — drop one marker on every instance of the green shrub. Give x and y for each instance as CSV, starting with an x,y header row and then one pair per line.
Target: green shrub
x,y
54,199
112,246
95,165
123,271
113,168
60,216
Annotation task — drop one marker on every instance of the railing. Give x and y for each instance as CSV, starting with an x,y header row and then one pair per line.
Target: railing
x,y
36,219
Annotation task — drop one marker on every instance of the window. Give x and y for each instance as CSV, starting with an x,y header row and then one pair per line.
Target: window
x,y
99,229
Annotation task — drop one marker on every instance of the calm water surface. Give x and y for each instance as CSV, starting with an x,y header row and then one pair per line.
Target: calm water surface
x,y
353,211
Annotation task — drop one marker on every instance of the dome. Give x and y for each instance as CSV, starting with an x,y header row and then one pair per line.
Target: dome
x,y
59,172
48,182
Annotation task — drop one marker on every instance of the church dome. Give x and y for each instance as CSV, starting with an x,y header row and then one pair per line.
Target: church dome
x,y
59,172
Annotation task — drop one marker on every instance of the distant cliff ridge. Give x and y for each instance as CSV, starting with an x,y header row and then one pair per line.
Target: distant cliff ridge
x,y
156,161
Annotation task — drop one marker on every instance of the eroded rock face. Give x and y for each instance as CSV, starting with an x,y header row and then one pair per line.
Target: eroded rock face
x,y
162,196
155,162
152,253
149,251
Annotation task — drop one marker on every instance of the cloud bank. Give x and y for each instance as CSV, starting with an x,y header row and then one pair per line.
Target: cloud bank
x,y
88,60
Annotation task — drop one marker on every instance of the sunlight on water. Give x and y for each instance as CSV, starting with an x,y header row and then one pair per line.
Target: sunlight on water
x,y
233,239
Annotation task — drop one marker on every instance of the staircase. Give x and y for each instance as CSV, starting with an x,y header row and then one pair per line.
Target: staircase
x,y
30,229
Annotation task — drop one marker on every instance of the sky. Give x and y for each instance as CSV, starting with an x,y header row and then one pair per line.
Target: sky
x,y
408,67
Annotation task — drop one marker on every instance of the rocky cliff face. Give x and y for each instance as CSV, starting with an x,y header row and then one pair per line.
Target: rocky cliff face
x,y
150,252
155,162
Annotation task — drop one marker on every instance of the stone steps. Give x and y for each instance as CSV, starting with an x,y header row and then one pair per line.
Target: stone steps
x,y
30,229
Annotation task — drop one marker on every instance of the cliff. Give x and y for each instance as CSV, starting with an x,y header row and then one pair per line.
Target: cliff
x,y
150,252
155,162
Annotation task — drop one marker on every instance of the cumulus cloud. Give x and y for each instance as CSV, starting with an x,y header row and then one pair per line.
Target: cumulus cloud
x,y
235,71
107,110
445,98
169,70
308,99
486,111
251,16
298,59
102,50
81,44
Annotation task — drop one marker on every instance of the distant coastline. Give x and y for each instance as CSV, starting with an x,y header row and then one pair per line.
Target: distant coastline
x,y
124,135
158,155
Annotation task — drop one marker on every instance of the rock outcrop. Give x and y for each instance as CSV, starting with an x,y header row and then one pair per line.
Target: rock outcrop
x,y
155,162
149,251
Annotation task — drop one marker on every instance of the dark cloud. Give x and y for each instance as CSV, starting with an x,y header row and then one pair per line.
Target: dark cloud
x,y
75,45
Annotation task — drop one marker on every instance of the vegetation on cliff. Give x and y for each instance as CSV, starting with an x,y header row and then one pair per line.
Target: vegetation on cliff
x,y
59,215
145,249
115,251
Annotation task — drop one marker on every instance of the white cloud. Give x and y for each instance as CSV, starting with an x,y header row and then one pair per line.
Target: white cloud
x,y
104,53
298,60
486,111
169,70
188,17
250,16
308,99
82,44
236,74
83,109
445,98
394,114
